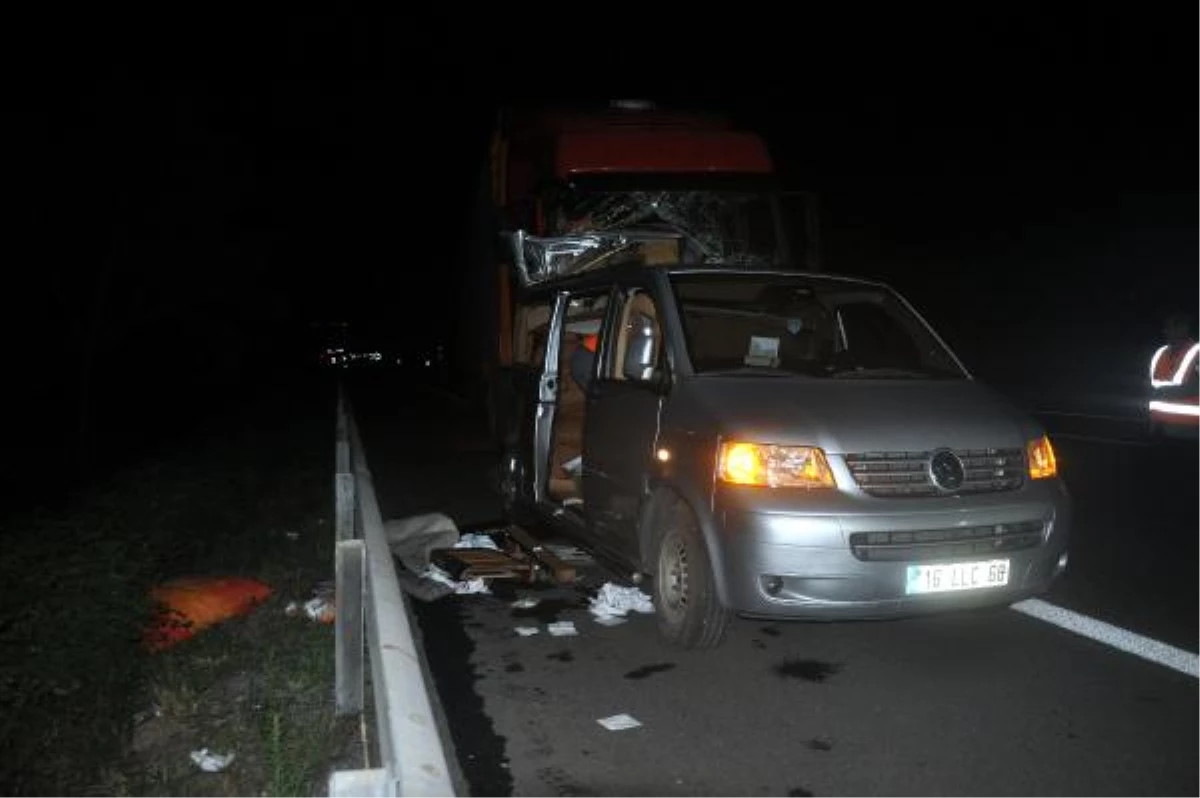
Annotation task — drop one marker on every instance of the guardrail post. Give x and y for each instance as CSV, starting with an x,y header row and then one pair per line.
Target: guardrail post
x,y
348,625
344,502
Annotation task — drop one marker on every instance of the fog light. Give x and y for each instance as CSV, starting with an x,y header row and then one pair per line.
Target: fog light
x,y
773,584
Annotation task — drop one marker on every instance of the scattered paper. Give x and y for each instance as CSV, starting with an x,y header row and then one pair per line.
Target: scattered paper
x,y
476,540
526,631
210,762
615,600
525,603
320,609
619,722
562,629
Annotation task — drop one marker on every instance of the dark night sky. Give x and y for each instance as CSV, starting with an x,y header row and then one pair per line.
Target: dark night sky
x,y
189,201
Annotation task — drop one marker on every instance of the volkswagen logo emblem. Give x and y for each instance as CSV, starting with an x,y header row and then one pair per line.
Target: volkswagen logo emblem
x,y
946,470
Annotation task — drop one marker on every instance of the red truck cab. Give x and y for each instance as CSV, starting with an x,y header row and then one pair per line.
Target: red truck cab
x,y
709,185
557,172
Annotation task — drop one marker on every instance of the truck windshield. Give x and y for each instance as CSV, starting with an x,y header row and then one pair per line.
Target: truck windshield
x,y
737,228
777,324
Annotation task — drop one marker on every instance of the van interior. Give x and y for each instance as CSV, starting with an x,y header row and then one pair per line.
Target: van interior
x,y
585,317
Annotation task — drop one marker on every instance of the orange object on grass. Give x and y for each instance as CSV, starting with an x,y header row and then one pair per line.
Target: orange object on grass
x,y
194,603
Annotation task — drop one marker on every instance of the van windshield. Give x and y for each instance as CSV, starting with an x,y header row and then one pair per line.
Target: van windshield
x,y
776,324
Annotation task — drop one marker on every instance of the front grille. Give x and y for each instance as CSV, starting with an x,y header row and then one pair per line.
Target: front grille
x,y
904,474
939,544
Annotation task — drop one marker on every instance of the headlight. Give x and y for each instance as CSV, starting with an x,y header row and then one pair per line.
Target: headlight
x,y
1040,455
768,465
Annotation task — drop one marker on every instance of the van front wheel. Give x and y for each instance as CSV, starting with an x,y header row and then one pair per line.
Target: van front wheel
x,y
689,611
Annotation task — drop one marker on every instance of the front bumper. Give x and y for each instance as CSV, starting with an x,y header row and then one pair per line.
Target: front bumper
x,y
780,562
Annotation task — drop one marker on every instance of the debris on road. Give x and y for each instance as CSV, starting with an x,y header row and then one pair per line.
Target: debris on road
x,y
526,631
569,553
609,620
433,539
619,722
210,762
476,540
615,601
460,586
525,603
414,538
562,629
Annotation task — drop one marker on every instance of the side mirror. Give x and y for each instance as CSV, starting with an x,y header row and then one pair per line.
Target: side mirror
x,y
641,350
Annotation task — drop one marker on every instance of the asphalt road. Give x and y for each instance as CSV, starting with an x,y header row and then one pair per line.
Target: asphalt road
x,y
991,703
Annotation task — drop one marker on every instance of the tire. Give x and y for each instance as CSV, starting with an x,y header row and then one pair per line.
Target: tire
x,y
689,611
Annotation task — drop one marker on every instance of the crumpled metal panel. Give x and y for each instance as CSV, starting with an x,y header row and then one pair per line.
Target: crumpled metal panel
x,y
539,258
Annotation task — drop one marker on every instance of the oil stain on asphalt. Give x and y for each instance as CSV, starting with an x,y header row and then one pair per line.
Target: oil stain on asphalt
x,y
649,670
810,670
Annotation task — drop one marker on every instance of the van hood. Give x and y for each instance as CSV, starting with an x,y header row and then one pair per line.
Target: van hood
x,y
861,415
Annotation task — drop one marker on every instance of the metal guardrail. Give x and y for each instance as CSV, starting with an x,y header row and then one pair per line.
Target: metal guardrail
x,y
369,597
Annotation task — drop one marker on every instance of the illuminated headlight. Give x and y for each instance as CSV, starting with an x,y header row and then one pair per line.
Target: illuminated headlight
x,y
771,466
1040,456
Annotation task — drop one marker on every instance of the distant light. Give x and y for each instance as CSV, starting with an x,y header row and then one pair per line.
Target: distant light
x,y
633,105
428,363
663,455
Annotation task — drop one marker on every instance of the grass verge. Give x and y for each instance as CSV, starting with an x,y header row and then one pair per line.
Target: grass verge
x,y
88,711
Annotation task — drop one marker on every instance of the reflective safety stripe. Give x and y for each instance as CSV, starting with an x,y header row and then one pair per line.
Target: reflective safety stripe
x,y
1180,372
1174,408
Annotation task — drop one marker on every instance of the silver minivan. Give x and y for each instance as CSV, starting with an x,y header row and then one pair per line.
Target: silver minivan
x,y
773,444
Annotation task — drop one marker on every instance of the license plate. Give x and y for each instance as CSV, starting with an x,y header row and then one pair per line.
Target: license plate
x,y
954,576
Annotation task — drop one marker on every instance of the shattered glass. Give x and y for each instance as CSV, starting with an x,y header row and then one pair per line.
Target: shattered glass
x,y
718,228
705,228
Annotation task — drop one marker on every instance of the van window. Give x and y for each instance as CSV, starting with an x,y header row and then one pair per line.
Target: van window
x,y
638,349
875,338
580,340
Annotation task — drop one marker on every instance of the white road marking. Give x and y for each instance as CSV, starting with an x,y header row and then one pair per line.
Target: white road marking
x,y
1096,439
1115,636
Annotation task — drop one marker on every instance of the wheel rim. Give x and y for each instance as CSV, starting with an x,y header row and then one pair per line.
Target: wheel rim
x,y
673,576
